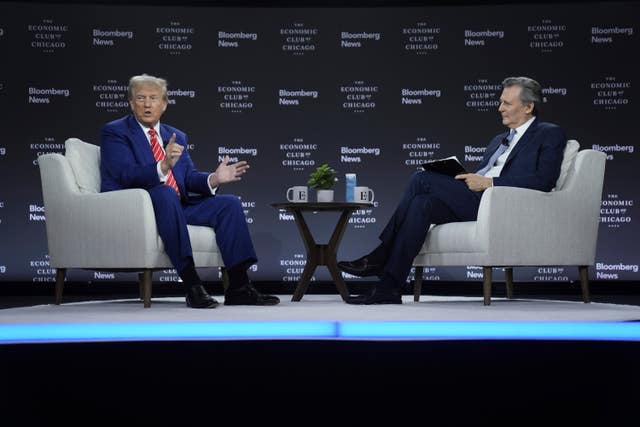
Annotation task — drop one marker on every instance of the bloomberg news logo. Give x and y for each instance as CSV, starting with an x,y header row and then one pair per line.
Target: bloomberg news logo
x,y
613,271
295,97
180,93
608,35
46,95
233,39
356,40
480,38
108,38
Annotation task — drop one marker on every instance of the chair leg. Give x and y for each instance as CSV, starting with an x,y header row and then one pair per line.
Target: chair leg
x,y
60,274
417,283
508,279
141,286
486,285
146,287
584,283
225,279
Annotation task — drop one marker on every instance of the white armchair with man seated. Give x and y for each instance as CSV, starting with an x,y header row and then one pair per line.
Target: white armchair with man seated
x,y
519,227
113,231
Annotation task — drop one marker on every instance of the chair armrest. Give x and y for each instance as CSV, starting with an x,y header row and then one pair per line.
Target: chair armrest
x,y
115,215
514,210
524,226
123,221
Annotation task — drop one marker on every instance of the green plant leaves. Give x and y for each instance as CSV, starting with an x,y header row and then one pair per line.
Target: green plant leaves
x,y
322,178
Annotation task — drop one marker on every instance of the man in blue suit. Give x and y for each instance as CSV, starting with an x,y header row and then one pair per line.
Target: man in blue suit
x,y
528,156
137,151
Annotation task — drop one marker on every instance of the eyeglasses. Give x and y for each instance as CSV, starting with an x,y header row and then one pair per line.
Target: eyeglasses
x,y
141,99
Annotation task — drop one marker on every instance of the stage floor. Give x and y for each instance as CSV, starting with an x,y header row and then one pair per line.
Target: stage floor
x,y
448,358
321,317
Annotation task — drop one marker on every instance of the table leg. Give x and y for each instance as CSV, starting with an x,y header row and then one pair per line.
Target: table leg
x,y
312,256
321,255
332,253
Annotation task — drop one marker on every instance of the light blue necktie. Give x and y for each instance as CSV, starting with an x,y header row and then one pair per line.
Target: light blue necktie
x,y
501,149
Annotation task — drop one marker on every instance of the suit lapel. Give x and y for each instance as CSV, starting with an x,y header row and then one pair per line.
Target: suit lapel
x,y
524,140
491,148
165,133
139,142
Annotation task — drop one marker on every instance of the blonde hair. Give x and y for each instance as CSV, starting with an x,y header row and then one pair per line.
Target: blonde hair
x,y
147,80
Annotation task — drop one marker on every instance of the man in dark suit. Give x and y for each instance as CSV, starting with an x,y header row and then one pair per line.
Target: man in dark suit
x,y
139,152
529,156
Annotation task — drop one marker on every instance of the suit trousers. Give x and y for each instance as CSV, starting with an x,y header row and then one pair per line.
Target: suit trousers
x,y
429,198
223,213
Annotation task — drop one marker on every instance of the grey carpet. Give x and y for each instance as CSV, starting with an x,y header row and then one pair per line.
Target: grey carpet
x,y
326,308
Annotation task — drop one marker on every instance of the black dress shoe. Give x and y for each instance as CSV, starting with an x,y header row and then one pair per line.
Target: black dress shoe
x,y
361,267
197,297
379,295
247,294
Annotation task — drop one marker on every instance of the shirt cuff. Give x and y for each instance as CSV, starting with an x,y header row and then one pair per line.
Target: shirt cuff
x,y
212,189
162,177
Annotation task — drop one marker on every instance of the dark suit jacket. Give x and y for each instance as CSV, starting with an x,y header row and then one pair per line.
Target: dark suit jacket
x,y
535,160
127,160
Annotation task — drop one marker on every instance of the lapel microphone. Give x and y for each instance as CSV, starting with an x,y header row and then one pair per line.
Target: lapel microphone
x,y
507,139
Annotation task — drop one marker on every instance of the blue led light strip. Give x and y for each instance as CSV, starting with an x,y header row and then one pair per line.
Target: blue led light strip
x,y
70,332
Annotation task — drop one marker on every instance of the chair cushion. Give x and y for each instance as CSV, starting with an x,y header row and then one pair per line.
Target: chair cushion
x,y
569,157
452,237
84,159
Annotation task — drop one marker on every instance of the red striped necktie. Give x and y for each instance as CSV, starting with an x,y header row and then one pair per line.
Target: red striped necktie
x,y
158,154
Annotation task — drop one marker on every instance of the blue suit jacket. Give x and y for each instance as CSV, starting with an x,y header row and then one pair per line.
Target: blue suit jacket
x,y
127,160
535,160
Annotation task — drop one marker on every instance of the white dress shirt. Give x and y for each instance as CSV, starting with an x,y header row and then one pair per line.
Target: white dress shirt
x,y
502,159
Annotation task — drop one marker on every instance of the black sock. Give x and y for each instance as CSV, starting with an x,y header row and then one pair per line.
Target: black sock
x,y
189,276
237,276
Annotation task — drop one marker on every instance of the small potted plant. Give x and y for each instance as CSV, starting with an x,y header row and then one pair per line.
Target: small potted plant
x,y
322,179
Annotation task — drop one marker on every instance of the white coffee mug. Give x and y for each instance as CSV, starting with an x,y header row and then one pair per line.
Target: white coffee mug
x,y
297,194
363,194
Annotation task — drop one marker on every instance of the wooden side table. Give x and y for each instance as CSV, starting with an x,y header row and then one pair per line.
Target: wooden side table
x,y
321,254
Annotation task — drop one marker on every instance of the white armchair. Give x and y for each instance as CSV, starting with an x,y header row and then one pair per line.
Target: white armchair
x,y
522,227
113,231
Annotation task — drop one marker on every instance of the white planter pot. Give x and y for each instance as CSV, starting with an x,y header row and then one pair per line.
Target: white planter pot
x,y
325,196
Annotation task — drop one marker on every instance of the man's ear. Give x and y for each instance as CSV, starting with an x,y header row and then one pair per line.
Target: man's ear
x,y
529,108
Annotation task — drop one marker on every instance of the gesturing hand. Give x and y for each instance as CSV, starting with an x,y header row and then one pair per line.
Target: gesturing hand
x,y
172,152
228,172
